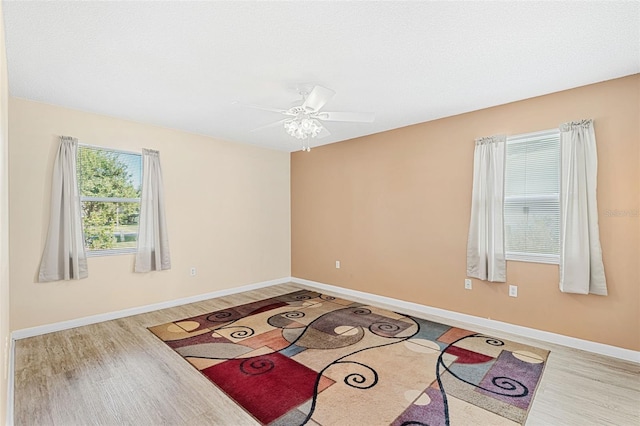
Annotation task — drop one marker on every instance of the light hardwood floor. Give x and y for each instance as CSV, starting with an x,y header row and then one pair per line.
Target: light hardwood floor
x,y
118,373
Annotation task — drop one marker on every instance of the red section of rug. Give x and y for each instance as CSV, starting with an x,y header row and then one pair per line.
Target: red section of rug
x,y
268,386
466,356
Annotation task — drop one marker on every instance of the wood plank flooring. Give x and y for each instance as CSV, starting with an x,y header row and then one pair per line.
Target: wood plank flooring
x,y
118,373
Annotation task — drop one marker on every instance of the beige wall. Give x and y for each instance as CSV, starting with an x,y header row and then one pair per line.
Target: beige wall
x,y
4,225
394,209
227,205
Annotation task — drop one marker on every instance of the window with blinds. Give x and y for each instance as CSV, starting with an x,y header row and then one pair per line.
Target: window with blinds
x,y
532,197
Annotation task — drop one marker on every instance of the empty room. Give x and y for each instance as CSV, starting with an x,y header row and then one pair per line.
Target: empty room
x,y
320,213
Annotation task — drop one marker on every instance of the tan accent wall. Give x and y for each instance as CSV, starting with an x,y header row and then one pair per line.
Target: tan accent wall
x,y
228,210
394,209
4,225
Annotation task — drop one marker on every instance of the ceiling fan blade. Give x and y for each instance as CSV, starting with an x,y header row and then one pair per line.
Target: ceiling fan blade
x,y
323,133
275,124
317,98
264,108
362,117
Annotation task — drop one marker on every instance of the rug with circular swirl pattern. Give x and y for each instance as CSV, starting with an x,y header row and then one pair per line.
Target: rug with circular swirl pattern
x,y
308,358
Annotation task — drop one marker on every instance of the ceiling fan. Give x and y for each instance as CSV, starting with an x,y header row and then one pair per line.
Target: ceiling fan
x,y
304,121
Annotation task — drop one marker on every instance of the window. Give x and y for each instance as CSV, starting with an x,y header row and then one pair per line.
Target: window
x,y
532,197
110,187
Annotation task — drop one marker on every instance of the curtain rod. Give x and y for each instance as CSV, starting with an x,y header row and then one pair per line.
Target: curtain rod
x,y
534,134
522,136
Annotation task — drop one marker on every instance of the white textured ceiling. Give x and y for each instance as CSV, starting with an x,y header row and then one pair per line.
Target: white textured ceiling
x,y
182,64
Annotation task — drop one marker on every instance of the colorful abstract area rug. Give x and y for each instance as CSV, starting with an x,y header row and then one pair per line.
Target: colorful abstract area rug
x,y
308,358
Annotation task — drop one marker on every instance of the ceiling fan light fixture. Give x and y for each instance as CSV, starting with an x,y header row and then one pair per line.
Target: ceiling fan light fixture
x,y
303,127
305,121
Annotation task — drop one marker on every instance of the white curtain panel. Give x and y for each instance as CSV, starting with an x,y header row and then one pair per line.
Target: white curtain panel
x,y
64,256
485,246
581,267
153,243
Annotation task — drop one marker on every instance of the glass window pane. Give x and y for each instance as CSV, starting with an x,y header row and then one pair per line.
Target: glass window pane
x,y
109,225
532,227
104,173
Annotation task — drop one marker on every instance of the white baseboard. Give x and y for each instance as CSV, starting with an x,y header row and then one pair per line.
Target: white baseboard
x,y
559,339
93,319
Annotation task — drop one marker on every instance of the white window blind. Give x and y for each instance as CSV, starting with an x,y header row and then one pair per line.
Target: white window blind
x,y
531,203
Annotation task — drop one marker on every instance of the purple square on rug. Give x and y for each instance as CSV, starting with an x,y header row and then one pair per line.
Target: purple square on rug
x,y
500,381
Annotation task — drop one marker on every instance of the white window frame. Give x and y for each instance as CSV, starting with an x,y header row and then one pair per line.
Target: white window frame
x,y
553,259
108,252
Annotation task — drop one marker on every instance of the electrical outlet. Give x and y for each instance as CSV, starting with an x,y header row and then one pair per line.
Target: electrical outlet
x,y
513,290
193,271
467,284
337,264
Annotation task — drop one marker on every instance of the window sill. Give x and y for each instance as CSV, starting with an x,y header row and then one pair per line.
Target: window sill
x,y
100,253
533,258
